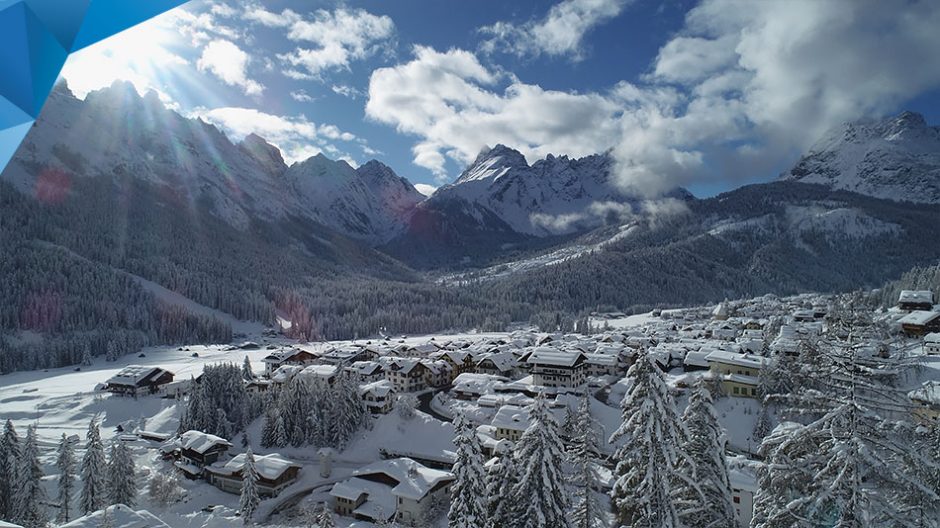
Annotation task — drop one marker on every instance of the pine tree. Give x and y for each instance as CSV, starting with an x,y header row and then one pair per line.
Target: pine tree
x,y
467,509
30,493
326,517
704,492
122,481
9,459
86,355
540,493
66,466
268,429
249,498
762,426
247,371
94,472
501,478
587,511
646,463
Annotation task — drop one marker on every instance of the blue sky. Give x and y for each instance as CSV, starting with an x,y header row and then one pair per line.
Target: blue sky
x,y
708,94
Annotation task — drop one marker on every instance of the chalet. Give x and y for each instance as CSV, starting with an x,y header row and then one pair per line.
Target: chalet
x,y
601,364
695,360
399,490
366,371
348,356
274,474
407,375
926,399
510,422
293,357
912,300
804,316
497,364
440,373
920,322
321,375
471,385
932,344
258,386
460,361
738,373
725,330
555,368
379,396
135,380
194,450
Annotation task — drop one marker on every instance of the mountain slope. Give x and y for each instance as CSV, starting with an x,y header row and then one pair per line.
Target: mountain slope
x,y
897,158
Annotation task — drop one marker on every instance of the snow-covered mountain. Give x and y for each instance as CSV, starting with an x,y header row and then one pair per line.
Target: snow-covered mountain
x,y
897,158
117,131
553,196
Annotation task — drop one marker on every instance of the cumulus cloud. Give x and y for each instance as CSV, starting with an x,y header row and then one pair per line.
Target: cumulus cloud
x,y
738,93
336,38
297,137
302,96
560,33
230,64
467,110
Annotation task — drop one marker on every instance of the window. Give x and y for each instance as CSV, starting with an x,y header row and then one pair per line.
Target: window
x,y
736,391
753,392
737,500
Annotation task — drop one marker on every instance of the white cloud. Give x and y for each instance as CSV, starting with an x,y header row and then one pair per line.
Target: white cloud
x,y
738,93
425,189
338,37
466,111
302,96
346,91
560,33
230,64
297,137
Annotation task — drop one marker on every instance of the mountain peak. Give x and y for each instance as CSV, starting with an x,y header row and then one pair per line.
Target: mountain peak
x,y
492,163
266,154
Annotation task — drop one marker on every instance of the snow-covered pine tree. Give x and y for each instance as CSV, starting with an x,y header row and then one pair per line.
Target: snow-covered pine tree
x,y
249,497
703,494
86,355
501,478
122,478
646,462
65,463
247,372
349,412
29,493
94,472
326,517
855,462
762,426
268,431
587,511
467,508
280,434
9,458
539,494
164,488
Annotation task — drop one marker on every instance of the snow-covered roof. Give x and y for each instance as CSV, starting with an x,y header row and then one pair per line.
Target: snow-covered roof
x,y
134,375
502,361
697,358
120,516
741,479
4,524
601,359
198,441
916,296
269,467
511,417
365,368
320,371
477,383
918,318
380,388
414,480
933,338
928,392
554,357
732,358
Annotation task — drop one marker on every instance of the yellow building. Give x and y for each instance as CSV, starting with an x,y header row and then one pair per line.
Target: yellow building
x,y
738,372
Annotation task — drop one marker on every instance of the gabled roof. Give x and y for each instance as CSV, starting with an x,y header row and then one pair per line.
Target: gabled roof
x,y
741,360
269,467
916,296
919,318
511,417
928,392
197,441
136,375
553,357
933,338
414,480
379,388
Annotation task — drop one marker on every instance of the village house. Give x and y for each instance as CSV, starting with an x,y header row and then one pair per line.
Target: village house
x,y
348,356
497,364
919,322
460,361
557,369
440,373
258,385
743,488
321,375
274,474
407,374
135,380
926,399
366,371
510,422
292,357
471,385
379,396
932,344
738,373
912,300
601,364
194,450
399,489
